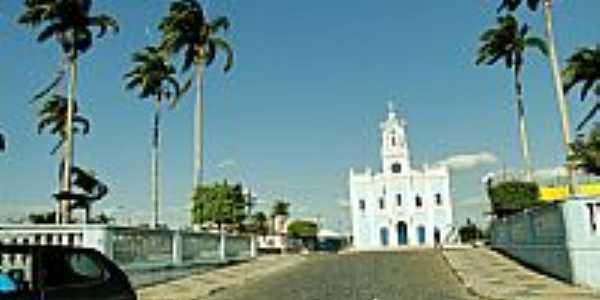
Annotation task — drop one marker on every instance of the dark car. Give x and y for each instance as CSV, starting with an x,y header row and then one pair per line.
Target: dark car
x,y
60,273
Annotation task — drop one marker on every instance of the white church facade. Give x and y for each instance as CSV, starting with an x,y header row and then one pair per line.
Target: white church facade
x,y
399,206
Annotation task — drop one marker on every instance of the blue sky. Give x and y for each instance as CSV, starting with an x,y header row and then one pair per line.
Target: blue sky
x,y
301,106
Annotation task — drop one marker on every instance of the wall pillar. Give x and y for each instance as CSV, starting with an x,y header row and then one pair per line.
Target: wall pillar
x,y
177,247
222,245
99,238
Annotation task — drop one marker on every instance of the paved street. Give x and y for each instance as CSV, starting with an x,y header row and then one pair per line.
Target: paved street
x,y
411,275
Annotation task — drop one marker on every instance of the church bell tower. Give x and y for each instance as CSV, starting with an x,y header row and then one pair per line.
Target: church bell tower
x,y
394,147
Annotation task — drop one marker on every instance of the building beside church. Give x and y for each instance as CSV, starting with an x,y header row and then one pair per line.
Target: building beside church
x,y
399,206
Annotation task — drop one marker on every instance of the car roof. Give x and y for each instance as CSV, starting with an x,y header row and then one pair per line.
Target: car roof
x,y
5,249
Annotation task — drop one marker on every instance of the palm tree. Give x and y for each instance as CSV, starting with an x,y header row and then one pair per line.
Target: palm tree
x,y
259,221
583,67
533,5
53,115
508,42
187,30
154,76
70,23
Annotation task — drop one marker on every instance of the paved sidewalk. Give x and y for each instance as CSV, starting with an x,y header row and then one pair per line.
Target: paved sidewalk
x,y
491,275
203,285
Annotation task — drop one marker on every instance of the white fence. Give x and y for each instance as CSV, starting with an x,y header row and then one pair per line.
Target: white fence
x,y
137,248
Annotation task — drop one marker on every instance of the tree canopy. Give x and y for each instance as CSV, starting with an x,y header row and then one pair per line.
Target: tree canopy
x,y
586,152
281,208
220,203
303,229
513,196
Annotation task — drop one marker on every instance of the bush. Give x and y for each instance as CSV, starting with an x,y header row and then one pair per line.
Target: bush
x,y
513,196
302,229
469,233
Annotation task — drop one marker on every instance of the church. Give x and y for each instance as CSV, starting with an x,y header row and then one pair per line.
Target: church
x,y
399,206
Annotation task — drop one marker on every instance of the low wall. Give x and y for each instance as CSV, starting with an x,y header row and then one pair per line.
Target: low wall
x,y
137,248
556,238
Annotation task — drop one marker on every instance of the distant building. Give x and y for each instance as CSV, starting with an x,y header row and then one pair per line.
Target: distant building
x,y
400,206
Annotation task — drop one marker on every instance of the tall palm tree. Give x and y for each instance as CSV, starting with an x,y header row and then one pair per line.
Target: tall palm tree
x,y
583,67
508,42
187,30
69,22
533,5
155,79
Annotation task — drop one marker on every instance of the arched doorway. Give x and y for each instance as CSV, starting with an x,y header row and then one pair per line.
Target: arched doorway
x,y
402,233
421,234
384,236
437,236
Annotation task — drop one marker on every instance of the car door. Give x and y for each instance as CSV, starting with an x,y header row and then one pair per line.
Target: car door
x,y
75,275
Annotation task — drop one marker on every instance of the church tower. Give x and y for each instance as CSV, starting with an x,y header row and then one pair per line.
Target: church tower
x,y
394,147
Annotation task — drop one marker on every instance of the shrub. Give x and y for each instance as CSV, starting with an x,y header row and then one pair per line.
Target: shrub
x,y
513,196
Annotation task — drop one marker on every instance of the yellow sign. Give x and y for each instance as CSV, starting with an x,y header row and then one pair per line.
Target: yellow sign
x,y
551,194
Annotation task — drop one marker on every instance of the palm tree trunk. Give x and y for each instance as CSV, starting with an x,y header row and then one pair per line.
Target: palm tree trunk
x,y
69,144
198,125
522,125
155,165
560,95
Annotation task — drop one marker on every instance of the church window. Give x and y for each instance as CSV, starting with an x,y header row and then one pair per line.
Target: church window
x,y
418,201
399,199
381,203
393,141
438,199
361,205
396,168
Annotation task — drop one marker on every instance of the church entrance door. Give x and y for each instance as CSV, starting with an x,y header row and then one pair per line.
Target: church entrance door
x,y
402,233
421,234
384,236
437,237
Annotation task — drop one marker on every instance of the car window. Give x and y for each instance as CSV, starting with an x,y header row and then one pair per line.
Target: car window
x,y
7,285
85,266
65,269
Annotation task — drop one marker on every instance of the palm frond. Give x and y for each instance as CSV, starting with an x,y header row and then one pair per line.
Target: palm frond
x,y
223,45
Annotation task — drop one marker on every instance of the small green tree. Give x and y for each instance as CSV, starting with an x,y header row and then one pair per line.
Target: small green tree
x,y
469,233
220,204
281,208
302,229
586,152
259,223
513,196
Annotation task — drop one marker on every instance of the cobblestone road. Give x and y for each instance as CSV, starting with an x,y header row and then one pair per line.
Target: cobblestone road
x,y
412,275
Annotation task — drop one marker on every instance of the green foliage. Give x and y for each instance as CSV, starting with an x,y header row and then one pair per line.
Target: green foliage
x,y
586,152
512,5
583,67
513,196
259,223
302,229
153,75
42,218
53,115
281,208
219,203
186,29
469,233
508,41
68,21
